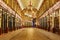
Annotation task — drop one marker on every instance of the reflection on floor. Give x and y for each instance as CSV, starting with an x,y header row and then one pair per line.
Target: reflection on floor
x,y
32,34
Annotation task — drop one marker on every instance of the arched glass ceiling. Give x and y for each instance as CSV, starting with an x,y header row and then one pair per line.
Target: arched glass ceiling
x,y
35,3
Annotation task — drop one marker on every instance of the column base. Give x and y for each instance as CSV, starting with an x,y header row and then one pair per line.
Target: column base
x,y
14,28
6,30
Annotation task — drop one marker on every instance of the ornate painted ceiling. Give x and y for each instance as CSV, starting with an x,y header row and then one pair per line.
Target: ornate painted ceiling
x,y
27,8
34,7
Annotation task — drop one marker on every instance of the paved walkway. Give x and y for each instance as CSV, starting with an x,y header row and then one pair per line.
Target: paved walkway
x,y
30,34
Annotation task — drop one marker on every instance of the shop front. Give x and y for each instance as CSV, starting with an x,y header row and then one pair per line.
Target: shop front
x,y
0,20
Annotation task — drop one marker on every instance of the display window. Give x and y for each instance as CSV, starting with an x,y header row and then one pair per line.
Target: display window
x,y
10,22
4,18
56,19
13,21
0,15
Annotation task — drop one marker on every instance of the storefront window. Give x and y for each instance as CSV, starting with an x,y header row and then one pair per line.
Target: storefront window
x,y
10,21
13,21
4,20
56,19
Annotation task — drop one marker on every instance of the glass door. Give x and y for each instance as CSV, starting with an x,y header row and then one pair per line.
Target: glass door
x,y
5,21
13,20
56,21
10,22
0,19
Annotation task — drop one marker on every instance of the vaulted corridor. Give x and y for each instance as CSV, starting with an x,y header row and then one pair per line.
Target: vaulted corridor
x,y
29,19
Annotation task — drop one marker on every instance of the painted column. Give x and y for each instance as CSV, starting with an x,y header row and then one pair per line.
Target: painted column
x,y
52,21
0,20
13,22
48,22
